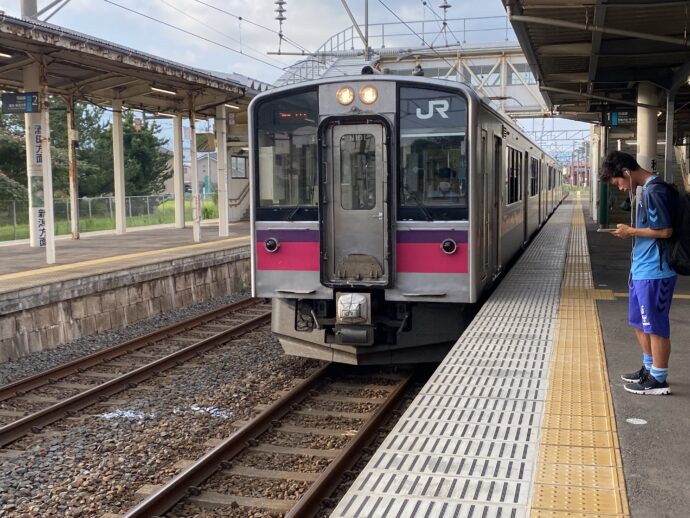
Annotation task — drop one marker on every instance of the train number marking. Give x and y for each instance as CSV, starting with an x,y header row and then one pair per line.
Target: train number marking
x,y
441,106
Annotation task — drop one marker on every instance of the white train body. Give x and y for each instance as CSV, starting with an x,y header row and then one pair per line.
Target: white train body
x,y
382,207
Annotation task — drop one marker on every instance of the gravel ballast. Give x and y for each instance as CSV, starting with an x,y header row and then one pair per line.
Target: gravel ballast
x,y
97,462
40,361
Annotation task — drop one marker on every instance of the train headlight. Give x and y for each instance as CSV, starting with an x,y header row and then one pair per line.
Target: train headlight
x,y
368,95
345,95
271,244
449,246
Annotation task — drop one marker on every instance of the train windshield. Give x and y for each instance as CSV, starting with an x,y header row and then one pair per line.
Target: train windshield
x,y
433,155
287,163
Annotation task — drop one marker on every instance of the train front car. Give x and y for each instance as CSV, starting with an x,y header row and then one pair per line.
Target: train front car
x,y
360,217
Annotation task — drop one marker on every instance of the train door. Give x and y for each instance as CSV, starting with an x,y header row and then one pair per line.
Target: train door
x,y
355,175
498,201
486,206
540,187
525,196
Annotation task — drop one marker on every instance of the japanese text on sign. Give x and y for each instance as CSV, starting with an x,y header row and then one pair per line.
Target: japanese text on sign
x,y
41,227
25,102
38,149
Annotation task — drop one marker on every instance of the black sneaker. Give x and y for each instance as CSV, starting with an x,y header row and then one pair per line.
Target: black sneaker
x,y
637,376
649,385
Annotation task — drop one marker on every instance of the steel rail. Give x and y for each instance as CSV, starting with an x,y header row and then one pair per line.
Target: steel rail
x,y
310,502
13,431
175,490
43,378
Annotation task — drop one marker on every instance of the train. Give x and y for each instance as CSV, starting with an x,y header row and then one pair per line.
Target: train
x,y
383,208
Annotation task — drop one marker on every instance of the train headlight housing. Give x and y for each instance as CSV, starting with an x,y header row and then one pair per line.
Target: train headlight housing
x,y
353,309
368,95
345,95
271,245
449,246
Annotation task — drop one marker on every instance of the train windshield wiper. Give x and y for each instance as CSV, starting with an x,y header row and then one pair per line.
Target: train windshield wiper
x,y
294,212
422,208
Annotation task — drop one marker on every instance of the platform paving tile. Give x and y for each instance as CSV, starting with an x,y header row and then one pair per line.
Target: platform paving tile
x,y
469,443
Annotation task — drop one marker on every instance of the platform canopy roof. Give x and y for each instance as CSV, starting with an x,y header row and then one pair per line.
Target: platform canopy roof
x,y
588,55
99,71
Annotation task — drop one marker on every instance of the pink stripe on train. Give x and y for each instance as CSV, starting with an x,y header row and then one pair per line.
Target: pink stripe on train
x,y
429,258
291,256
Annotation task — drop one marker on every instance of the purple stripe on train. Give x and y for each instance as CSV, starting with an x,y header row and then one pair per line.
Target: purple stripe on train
x,y
289,235
431,236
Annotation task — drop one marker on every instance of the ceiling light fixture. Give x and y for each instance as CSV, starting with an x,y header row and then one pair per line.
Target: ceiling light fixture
x,y
4,55
233,106
163,91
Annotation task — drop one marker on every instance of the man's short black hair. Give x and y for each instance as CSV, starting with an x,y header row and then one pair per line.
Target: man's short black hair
x,y
614,163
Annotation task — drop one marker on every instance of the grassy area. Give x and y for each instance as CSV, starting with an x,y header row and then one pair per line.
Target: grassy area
x,y
164,213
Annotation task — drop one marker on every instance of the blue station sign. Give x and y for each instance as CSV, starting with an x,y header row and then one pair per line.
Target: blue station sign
x,y
23,102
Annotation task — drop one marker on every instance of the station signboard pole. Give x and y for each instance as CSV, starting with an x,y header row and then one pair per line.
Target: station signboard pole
x,y
196,198
222,171
46,224
72,142
34,152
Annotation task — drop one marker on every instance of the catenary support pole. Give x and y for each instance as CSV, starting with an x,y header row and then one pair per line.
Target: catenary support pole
x,y
222,171
196,198
178,171
29,8
646,126
119,168
72,141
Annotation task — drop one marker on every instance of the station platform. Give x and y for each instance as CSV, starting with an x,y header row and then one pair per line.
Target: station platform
x,y
105,281
527,415
100,252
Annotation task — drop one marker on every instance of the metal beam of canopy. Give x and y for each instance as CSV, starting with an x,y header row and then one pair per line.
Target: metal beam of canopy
x,y
82,68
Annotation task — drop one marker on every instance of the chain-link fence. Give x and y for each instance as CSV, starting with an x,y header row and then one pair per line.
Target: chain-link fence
x,y
99,213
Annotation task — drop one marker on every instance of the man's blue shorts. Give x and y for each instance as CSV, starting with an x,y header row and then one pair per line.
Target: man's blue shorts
x,y
650,302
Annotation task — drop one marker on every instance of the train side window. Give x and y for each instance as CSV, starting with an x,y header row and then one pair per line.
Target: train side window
x,y
513,176
533,176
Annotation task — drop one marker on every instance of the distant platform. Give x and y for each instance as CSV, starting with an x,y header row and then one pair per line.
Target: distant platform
x,y
99,252
105,281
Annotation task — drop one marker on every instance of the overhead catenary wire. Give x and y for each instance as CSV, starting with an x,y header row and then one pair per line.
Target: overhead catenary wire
x,y
303,49
416,34
198,36
425,3
57,10
208,26
242,18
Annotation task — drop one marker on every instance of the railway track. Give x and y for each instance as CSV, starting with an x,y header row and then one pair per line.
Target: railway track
x,y
326,409
29,404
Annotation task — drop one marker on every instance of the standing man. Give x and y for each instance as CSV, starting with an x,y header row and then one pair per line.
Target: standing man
x,y
652,280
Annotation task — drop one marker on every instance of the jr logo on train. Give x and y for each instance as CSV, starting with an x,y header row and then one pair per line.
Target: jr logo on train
x,y
383,208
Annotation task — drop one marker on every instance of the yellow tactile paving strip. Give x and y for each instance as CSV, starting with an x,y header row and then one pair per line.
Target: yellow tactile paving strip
x,y
579,471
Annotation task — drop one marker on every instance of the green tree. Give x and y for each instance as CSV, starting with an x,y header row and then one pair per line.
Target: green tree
x,y
146,160
12,152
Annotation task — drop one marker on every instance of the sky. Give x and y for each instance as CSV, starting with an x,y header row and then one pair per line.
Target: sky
x,y
309,23
233,41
